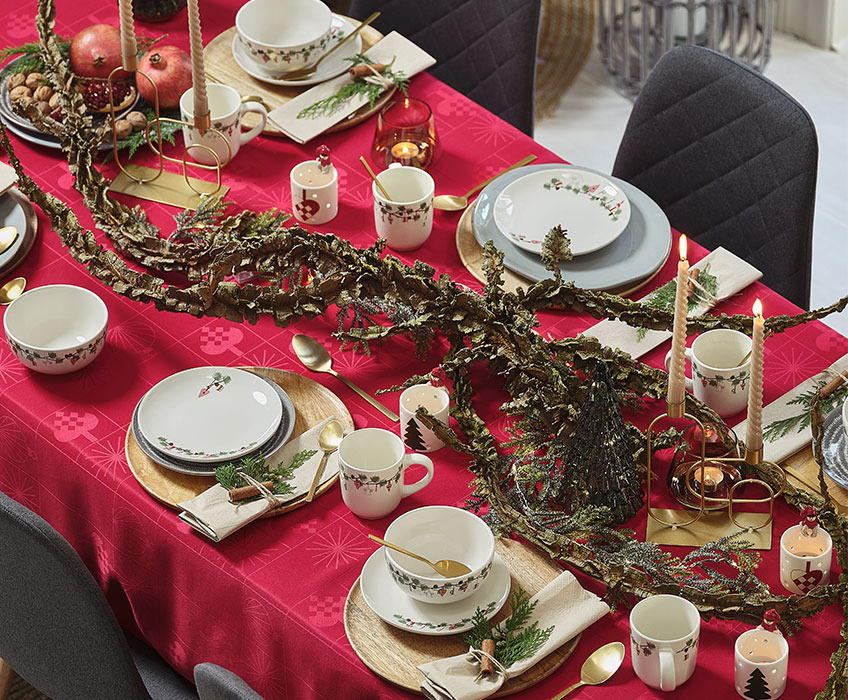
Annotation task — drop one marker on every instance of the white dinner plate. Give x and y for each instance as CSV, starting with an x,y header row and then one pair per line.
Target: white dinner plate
x,y
210,414
592,210
333,66
637,253
392,605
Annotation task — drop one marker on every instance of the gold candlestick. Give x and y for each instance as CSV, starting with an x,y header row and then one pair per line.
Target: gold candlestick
x,y
129,48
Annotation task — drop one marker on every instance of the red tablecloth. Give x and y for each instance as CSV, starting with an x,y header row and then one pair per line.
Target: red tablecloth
x,y
267,602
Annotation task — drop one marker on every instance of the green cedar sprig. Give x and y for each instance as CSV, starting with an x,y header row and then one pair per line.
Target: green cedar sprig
x,y
795,424
254,466
663,297
514,641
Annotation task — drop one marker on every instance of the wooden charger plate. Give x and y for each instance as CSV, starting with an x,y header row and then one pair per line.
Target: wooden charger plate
x,y
393,653
221,67
313,402
471,255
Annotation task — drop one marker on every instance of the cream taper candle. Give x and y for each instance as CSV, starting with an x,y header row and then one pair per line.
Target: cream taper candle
x,y
676,393
198,73
129,48
754,429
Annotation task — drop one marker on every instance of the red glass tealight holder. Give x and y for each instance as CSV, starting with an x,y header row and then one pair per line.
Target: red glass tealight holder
x,y
405,134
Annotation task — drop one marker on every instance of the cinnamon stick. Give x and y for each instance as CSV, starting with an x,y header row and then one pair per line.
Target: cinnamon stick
x,y
361,70
243,492
486,666
693,277
832,385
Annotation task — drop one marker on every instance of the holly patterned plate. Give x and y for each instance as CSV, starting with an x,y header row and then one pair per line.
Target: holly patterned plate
x,y
591,209
392,605
210,414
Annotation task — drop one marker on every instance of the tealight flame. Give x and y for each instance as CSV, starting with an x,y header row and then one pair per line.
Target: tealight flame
x,y
683,246
758,308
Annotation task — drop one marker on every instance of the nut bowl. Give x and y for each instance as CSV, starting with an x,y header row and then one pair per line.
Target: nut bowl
x,y
439,532
56,329
284,35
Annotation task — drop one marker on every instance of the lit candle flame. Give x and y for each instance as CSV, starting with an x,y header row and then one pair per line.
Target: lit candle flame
x,y
682,246
758,308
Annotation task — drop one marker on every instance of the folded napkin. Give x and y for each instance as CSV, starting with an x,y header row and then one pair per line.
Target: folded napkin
x,y
787,445
8,176
408,58
212,514
562,603
732,275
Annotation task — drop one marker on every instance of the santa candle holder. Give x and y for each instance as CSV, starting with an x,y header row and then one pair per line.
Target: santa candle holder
x,y
761,660
805,554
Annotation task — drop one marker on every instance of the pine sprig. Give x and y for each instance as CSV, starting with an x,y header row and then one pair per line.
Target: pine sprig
x,y
663,297
514,639
795,424
137,139
229,474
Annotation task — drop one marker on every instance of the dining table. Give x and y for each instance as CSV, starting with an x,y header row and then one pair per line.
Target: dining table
x,y
268,602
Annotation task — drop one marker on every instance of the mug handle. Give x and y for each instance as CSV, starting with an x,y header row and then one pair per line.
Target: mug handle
x,y
427,463
256,130
667,679
688,353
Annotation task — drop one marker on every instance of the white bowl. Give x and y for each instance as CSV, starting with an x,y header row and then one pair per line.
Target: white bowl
x,y
439,532
56,329
284,35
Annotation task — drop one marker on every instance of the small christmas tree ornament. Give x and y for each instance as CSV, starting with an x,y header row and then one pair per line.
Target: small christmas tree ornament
x,y
761,660
315,189
805,554
598,469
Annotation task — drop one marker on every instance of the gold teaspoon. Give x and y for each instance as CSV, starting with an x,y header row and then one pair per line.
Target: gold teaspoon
x,y
453,202
12,290
328,440
598,668
446,567
8,235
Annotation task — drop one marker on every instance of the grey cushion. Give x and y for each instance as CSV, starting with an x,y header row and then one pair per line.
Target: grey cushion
x,y
731,159
216,683
485,49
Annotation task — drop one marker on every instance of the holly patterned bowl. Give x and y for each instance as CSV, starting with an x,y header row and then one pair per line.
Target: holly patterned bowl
x,y
439,532
56,329
280,36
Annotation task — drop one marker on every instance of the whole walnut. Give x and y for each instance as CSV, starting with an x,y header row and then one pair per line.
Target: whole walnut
x,y
19,92
33,80
14,81
54,101
44,92
122,129
43,106
137,119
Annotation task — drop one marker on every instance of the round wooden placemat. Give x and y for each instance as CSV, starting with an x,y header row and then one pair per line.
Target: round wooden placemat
x,y
313,402
27,235
471,255
221,67
393,653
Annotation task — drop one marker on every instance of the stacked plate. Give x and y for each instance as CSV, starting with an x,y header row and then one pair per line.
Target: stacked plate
x,y
196,420
618,235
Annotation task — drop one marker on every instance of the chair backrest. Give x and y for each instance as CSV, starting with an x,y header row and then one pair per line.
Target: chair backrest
x,y
56,629
485,49
216,683
731,159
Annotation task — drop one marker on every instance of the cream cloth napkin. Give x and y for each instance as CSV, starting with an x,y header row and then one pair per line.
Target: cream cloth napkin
x,y
8,176
408,58
732,275
212,514
789,444
563,603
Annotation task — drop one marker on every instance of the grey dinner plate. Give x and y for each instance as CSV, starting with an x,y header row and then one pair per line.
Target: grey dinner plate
x,y
638,252
835,448
165,459
12,213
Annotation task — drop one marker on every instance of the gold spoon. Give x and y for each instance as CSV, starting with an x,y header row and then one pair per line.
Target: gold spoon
x,y
304,73
12,290
328,440
314,356
453,202
598,668
374,178
8,234
446,567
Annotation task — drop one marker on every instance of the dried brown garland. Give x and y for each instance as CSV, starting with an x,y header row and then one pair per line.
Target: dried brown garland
x,y
544,379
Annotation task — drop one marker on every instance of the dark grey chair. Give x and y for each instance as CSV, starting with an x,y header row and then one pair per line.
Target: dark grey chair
x,y
58,633
485,49
731,159
216,683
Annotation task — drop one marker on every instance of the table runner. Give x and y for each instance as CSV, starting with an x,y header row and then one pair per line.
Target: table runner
x,y
267,602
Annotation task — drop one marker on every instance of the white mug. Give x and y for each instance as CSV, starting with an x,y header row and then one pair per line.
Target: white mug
x,y
760,664
314,192
417,436
406,220
664,631
226,110
719,377
805,559
372,462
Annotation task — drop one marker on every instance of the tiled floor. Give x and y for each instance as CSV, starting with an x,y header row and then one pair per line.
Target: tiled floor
x,y
591,118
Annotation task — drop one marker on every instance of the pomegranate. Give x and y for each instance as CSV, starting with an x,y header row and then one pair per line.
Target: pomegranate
x,y
96,52
170,68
